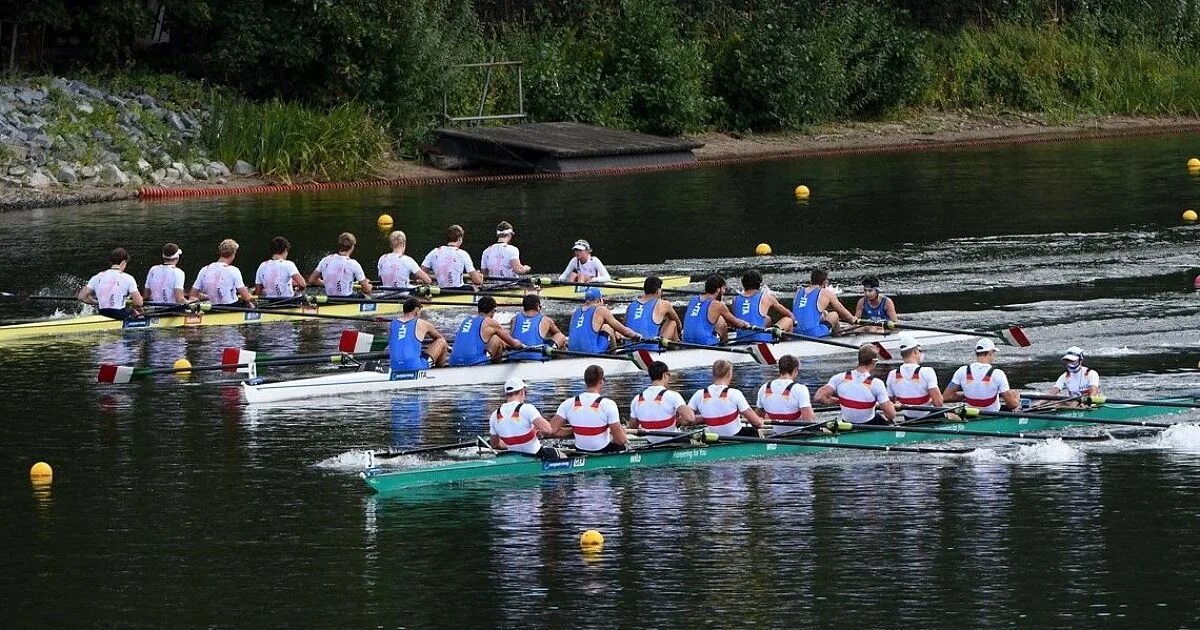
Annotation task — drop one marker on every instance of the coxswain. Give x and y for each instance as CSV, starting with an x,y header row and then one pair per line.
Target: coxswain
x,y
517,425
1078,380
220,282
338,272
502,259
593,326
109,289
397,269
707,319
659,408
785,399
981,384
481,339
912,384
862,397
449,262
277,277
755,306
164,282
584,267
532,328
719,406
873,305
651,316
406,341
817,309
591,417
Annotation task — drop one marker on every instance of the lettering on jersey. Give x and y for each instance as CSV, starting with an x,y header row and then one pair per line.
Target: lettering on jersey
x,y
253,317
525,325
558,464
406,376
467,326
402,332
367,307
140,322
745,307
637,312
579,321
696,309
803,299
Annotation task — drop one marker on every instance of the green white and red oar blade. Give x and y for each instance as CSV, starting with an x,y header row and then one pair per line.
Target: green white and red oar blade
x,y
353,341
113,373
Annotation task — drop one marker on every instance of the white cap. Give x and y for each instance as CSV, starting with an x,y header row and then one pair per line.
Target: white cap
x,y
907,342
513,384
582,245
984,345
1074,353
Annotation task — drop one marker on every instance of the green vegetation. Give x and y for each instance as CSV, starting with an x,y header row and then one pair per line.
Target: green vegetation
x,y
662,66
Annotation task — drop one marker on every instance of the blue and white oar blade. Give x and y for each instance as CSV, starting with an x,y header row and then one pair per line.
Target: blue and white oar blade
x,y
1015,337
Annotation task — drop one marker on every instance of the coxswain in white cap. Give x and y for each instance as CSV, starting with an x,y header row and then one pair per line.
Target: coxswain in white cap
x,y
584,267
1078,380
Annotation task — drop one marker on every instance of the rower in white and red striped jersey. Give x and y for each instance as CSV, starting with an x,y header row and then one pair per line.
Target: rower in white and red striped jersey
x,y
862,397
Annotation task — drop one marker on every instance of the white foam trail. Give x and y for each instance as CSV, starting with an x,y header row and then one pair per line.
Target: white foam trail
x,y
1052,451
1181,437
984,456
350,461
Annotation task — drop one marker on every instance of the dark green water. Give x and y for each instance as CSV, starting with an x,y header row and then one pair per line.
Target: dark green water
x,y
175,505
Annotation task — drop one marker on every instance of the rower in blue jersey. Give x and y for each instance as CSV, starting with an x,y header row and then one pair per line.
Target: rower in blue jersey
x,y
651,316
481,338
406,336
817,309
874,305
593,327
532,328
707,320
755,305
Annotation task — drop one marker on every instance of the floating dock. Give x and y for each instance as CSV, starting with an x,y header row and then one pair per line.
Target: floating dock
x,y
557,147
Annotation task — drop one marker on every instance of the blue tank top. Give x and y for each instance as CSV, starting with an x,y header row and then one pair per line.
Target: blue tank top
x,y
404,348
748,309
808,318
640,317
469,348
528,330
696,327
875,313
583,337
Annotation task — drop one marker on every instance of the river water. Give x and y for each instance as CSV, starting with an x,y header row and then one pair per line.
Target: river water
x,y
175,505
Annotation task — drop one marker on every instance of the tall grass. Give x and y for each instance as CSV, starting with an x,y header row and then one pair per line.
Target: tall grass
x,y
291,141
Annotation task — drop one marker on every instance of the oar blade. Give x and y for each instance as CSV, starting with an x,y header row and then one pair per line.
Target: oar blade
x,y
1014,336
113,373
233,357
642,359
762,354
354,341
883,352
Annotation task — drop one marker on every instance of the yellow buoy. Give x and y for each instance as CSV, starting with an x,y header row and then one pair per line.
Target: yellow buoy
x,y
802,192
384,221
41,472
182,364
1194,164
591,540
1189,215
762,250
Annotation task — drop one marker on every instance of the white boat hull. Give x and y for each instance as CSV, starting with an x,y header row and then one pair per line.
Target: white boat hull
x,y
569,368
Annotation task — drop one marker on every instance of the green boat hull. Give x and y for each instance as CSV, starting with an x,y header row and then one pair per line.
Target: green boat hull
x,y
391,481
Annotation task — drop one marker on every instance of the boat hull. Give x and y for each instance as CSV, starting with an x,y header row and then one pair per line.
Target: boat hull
x,y
385,481
571,368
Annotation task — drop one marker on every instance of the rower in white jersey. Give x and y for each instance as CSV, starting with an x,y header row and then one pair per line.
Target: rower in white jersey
x,y
277,277
220,282
109,289
397,269
502,259
449,262
981,384
784,398
584,267
591,417
516,425
720,406
659,408
164,282
338,272
911,384
1077,380
862,397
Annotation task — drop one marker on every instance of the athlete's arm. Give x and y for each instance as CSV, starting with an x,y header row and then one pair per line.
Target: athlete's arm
x,y
774,305
724,313
826,395
86,295
952,393
422,277
559,427
607,317
891,310
425,329
1012,398
601,272
498,330
753,418
889,410
685,415
298,284
569,273
668,312
244,294
517,267
858,308
831,300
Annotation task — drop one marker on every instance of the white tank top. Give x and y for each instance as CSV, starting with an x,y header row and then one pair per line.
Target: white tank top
x,y
496,260
161,282
654,409
589,415
339,273
858,393
720,407
449,264
783,399
513,424
397,270
981,385
275,276
111,287
220,282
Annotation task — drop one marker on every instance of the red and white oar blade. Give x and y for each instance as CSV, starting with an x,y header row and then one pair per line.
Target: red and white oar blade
x,y
762,354
642,359
1015,337
883,352
112,373
232,357
353,341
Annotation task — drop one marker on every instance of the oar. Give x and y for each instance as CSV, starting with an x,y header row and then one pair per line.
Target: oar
x,y
1013,335
714,438
1099,399
908,428
423,449
22,295
112,373
640,358
972,412
760,352
883,352
218,308
552,282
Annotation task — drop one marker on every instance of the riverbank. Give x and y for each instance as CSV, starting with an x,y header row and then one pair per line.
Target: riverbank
x,y
924,131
